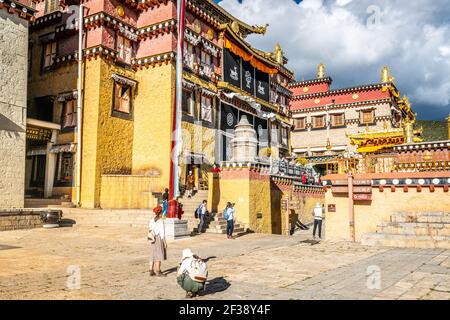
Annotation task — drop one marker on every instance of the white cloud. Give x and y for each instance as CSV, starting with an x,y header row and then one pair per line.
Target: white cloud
x,y
356,38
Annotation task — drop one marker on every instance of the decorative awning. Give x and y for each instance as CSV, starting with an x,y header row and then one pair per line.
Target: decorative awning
x,y
128,34
255,105
188,85
68,96
122,80
208,93
196,158
255,62
59,148
213,50
191,37
37,152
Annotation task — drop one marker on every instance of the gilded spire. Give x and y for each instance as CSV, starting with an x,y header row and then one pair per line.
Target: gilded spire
x,y
385,74
278,54
321,71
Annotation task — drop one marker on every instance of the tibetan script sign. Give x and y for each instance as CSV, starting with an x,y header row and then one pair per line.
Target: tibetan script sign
x,y
362,182
355,182
356,189
339,189
39,134
360,189
362,196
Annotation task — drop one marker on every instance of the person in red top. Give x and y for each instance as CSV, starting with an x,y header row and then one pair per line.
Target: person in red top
x,y
304,178
215,169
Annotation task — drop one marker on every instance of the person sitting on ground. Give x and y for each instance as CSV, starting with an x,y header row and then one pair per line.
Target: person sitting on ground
x,y
192,273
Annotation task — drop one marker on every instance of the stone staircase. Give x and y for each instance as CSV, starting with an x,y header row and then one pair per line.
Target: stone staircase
x,y
48,203
214,224
412,230
106,217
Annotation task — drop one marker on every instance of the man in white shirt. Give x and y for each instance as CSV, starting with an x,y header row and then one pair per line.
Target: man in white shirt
x,y
318,217
230,211
201,215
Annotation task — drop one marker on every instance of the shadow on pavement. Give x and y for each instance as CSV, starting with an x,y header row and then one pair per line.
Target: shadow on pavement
x,y
67,222
215,285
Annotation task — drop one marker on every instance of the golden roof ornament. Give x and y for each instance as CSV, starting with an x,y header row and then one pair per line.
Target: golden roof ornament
x,y
321,71
260,29
235,26
278,53
386,75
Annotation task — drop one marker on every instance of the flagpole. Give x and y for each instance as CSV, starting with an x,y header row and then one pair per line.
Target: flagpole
x,y
176,125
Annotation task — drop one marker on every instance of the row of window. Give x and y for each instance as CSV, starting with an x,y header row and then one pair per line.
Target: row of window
x,y
124,47
188,105
337,120
193,55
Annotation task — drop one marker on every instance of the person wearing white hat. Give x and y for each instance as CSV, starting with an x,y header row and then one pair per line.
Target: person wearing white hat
x,y
318,217
192,273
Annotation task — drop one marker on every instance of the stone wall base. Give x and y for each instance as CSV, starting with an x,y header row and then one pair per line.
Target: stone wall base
x,y
176,229
19,219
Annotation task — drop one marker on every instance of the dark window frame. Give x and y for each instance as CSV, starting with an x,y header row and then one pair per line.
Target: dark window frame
x,y
117,113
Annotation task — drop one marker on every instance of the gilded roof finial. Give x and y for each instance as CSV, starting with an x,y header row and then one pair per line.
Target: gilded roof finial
x,y
321,71
385,74
278,53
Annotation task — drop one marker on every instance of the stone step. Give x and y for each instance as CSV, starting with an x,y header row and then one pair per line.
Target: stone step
x,y
405,241
410,229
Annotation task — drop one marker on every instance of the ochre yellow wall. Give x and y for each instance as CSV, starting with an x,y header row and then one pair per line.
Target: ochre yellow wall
x,y
128,191
91,98
153,125
107,140
368,214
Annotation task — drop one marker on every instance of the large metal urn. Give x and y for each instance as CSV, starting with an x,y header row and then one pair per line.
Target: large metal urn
x,y
51,218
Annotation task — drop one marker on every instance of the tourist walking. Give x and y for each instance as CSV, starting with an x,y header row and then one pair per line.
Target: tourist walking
x,y
190,181
192,273
229,216
165,199
318,217
201,213
158,245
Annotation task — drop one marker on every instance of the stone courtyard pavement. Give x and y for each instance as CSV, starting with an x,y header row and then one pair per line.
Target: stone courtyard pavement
x,y
113,264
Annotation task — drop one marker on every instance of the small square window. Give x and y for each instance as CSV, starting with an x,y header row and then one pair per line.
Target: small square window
x,y
319,122
69,118
367,117
300,123
337,120
124,49
206,113
188,101
49,54
122,100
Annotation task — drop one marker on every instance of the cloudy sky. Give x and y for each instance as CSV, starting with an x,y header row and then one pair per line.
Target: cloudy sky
x,y
355,38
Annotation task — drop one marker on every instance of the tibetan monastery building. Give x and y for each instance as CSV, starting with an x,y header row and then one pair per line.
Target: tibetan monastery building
x,y
128,72
364,119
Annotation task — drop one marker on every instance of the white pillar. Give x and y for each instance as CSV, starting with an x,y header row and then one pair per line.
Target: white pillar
x,y
50,164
